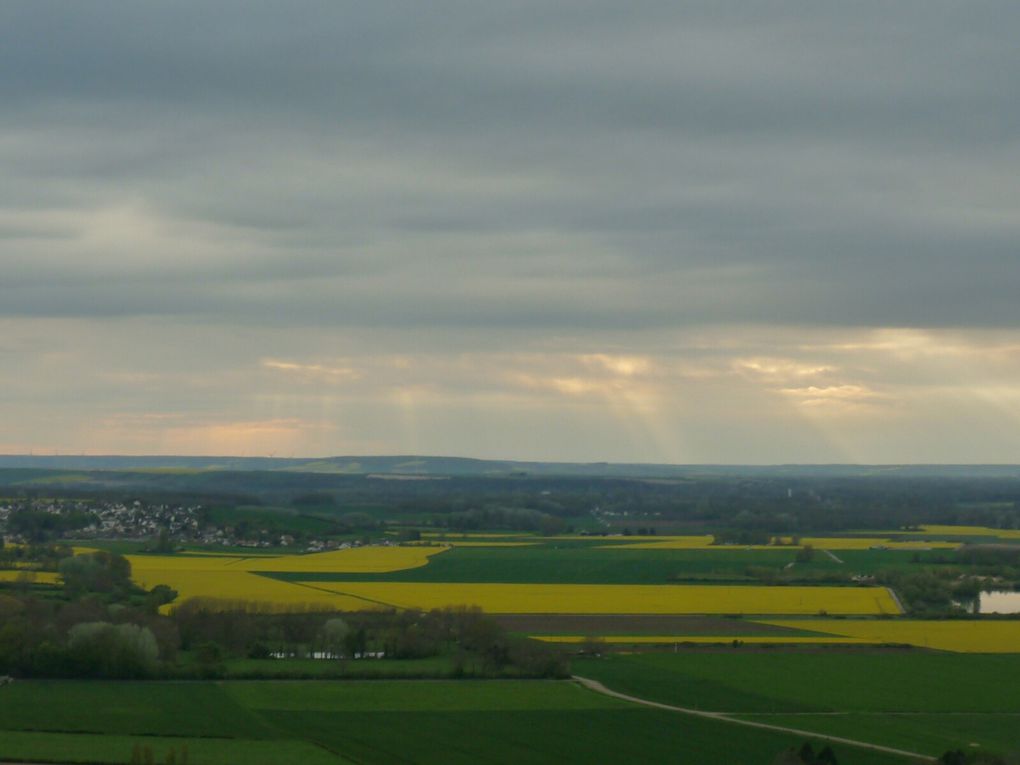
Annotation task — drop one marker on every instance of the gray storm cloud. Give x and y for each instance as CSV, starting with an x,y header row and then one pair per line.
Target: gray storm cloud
x,y
313,181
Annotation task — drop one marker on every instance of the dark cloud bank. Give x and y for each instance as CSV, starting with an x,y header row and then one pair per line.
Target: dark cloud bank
x,y
656,231
454,163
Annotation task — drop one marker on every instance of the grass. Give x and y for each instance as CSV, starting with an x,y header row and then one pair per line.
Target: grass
x,y
432,696
143,708
927,733
90,748
818,681
372,723
121,546
434,666
917,701
549,564
516,722
279,519
547,737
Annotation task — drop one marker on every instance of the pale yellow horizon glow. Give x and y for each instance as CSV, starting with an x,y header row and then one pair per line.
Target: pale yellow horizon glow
x,y
723,394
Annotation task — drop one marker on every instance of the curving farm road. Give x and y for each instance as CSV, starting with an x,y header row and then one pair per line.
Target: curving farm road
x,y
595,685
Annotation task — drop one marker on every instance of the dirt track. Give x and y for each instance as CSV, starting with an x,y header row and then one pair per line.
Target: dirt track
x,y
595,685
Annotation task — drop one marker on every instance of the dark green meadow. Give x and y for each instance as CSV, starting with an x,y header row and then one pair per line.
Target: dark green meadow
x,y
920,701
376,722
152,708
866,680
930,733
36,746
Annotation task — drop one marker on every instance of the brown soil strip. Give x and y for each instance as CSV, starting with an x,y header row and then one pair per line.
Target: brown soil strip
x,y
635,624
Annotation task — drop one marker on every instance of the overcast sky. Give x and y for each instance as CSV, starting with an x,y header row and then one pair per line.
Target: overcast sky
x,y
644,231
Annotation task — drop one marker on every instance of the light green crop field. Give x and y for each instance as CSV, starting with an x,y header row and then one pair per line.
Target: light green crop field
x,y
914,700
372,723
828,681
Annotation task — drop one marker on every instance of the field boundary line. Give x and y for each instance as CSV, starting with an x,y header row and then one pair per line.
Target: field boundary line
x,y
833,556
351,595
896,600
597,687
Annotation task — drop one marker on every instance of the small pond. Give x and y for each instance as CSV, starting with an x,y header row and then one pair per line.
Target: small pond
x,y
997,602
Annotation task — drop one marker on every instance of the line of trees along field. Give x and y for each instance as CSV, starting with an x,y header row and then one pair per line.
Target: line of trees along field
x,y
102,625
776,504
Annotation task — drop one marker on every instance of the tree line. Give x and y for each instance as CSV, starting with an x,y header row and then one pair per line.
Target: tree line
x,y
102,625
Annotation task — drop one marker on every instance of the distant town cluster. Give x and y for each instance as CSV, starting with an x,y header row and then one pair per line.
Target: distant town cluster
x,y
35,520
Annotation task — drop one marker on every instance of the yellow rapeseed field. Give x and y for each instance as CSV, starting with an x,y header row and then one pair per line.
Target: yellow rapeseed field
x,y
971,531
209,554
611,538
469,543
36,577
958,532
949,635
368,560
244,586
231,578
668,543
454,535
624,598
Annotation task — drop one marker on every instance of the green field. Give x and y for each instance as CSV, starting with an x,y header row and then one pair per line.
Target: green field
x,y
373,723
920,701
590,563
932,733
280,519
599,561
91,748
159,709
430,667
823,681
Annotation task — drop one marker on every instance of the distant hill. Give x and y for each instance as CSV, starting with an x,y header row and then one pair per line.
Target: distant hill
x,y
415,465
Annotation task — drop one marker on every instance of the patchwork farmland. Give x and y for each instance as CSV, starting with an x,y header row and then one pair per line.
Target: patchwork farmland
x,y
620,590
677,622
672,590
